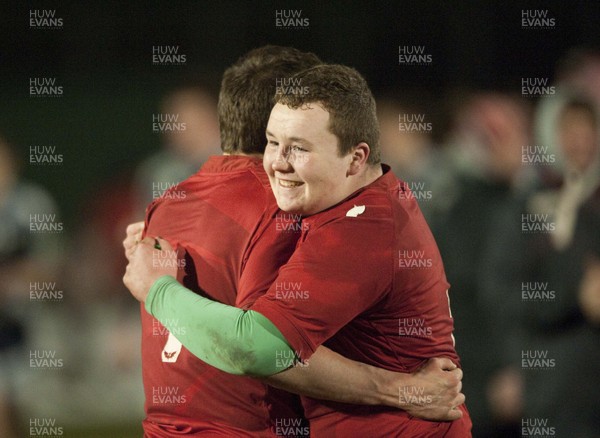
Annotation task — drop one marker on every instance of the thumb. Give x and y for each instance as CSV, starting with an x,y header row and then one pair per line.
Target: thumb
x,y
454,414
162,244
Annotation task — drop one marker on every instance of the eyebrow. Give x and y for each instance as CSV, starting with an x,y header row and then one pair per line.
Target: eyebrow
x,y
293,139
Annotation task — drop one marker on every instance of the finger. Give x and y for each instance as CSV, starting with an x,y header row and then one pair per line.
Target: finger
x,y
445,363
454,414
459,388
164,244
453,377
458,372
147,241
130,242
139,246
130,251
133,239
135,228
129,239
133,233
130,248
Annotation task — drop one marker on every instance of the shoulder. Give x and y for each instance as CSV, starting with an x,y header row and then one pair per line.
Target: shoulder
x,y
357,232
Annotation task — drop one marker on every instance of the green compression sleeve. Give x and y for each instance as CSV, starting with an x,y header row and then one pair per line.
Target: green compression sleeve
x,y
228,338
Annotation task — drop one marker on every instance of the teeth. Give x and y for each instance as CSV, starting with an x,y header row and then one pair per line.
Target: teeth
x,y
289,183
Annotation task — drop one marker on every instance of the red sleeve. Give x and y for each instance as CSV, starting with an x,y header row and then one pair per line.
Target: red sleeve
x,y
339,271
271,247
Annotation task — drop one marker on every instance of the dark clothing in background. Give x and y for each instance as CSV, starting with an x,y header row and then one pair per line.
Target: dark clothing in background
x,y
480,240
567,395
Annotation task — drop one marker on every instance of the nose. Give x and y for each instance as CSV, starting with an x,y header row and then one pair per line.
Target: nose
x,y
281,161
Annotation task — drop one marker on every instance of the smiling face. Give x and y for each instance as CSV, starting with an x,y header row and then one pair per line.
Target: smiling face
x,y
303,161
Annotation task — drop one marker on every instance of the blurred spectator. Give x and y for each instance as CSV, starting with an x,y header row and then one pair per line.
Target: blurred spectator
x,y
103,361
577,72
478,236
407,146
190,128
564,327
94,330
29,255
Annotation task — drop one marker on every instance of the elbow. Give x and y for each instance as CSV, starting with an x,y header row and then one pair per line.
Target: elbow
x,y
256,364
243,361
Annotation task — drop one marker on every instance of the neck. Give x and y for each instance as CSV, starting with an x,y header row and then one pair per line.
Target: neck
x,y
370,174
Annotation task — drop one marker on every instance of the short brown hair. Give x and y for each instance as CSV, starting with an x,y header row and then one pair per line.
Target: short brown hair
x,y
246,96
344,93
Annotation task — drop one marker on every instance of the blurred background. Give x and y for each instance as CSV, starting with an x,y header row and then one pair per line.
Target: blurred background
x,y
489,110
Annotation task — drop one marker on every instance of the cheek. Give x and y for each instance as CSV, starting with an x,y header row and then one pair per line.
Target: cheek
x,y
324,185
322,176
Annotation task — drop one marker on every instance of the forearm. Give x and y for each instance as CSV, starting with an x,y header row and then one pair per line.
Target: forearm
x,y
328,375
228,338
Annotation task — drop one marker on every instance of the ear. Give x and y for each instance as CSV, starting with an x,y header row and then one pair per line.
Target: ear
x,y
358,158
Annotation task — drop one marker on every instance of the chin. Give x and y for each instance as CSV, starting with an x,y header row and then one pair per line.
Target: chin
x,y
289,207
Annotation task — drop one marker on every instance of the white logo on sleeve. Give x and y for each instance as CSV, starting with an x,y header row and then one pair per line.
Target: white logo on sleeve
x,y
355,211
171,350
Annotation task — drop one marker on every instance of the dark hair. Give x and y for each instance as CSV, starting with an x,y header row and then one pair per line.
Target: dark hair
x,y
246,96
344,93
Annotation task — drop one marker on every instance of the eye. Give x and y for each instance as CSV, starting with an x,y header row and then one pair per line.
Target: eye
x,y
272,143
298,149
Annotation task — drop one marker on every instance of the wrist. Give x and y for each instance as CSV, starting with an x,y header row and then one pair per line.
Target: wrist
x,y
156,288
389,384
404,381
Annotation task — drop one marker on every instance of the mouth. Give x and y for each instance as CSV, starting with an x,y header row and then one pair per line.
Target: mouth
x,y
289,184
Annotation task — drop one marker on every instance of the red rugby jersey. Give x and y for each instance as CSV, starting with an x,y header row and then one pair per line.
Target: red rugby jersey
x,y
367,280
220,217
